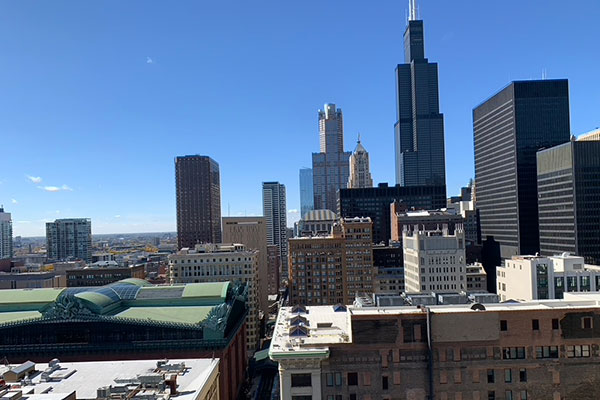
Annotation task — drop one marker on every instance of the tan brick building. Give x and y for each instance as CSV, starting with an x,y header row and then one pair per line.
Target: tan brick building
x,y
546,350
333,268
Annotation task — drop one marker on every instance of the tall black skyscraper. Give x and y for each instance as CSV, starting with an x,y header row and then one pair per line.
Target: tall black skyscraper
x,y
509,128
198,190
568,178
419,130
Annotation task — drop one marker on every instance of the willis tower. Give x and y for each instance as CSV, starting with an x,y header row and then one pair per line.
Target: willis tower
x,y
419,130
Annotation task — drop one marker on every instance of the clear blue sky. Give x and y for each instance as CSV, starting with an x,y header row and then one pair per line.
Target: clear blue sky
x,y
98,97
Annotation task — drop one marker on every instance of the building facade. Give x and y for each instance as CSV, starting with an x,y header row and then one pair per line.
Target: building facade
x,y
317,222
428,220
275,213
592,135
252,233
388,262
69,239
198,192
6,237
419,130
360,172
274,269
509,128
221,263
307,196
331,165
525,278
334,268
434,260
100,276
375,203
568,182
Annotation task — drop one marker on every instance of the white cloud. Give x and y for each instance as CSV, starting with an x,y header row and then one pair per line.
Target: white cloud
x,y
50,188
117,216
34,179
14,201
293,211
149,60
67,188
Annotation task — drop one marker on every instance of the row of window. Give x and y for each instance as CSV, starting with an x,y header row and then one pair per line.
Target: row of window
x,y
535,324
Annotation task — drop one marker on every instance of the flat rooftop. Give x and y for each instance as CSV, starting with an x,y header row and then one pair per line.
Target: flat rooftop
x,y
85,378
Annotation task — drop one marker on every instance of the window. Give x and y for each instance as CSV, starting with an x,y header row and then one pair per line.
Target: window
x,y
535,324
503,325
329,379
384,382
507,375
508,395
352,378
301,397
509,353
522,375
490,376
338,379
352,396
555,323
546,352
578,351
586,323
524,395
491,395
301,380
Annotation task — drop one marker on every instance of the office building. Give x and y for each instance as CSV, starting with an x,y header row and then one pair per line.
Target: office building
x,y
307,197
434,260
476,278
388,262
191,379
31,280
403,219
129,320
520,351
222,263
360,172
101,276
198,188
6,238
69,239
317,222
592,135
331,165
525,278
509,128
568,182
252,233
375,203
273,268
275,213
419,130
334,268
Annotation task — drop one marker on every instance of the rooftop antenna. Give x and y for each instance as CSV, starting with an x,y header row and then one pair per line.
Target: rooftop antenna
x,y
544,74
358,141
412,6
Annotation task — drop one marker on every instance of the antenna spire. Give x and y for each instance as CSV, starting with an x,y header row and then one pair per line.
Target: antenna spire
x,y
358,141
412,7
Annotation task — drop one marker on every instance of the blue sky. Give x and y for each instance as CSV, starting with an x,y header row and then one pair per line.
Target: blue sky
x,y
98,97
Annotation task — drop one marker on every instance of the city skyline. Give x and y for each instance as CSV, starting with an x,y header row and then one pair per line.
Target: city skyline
x,y
121,113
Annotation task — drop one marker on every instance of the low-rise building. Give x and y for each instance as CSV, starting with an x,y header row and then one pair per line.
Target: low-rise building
x,y
221,263
538,350
186,379
102,275
388,262
331,269
30,280
525,278
476,278
317,222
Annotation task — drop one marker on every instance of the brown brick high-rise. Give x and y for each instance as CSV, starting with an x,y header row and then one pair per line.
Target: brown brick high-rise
x,y
198,190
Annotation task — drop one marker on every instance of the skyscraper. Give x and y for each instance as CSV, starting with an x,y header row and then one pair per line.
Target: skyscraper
x,y
198,188
274,211
69,238
6,239
419,130
330,165
568,179
307,198
360,174
509,128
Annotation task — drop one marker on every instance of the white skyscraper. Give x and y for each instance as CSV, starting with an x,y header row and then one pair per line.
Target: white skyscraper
x,y
360,174
274,211
6,240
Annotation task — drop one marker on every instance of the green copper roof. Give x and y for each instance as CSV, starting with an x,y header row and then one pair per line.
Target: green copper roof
x,y
135,281
18,316
27,299
183,315
206,289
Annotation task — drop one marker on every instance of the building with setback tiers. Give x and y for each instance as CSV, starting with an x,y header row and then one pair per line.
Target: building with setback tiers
x,y
360,173
221,263
333,268
509,128
419,130
330,166
538,350
69,239
568,183
198,188
129,320
375,203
